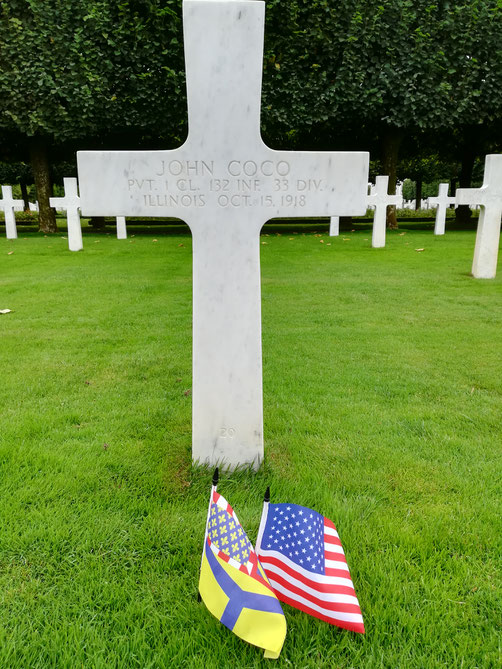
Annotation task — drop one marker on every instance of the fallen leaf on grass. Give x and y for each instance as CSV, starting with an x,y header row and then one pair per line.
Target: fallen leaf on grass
x,y
180,245
87,383
402,233
155,240
5,311
264,243
419,250
105,447
291,239
64,237
10,253
96,241
187,392
346,239
321,241
328,244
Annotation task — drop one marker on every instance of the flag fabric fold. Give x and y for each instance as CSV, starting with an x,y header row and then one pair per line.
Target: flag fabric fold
x,y
233,584
302,556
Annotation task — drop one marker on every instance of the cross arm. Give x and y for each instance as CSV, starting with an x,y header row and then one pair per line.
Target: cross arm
x,y
470,196
263,182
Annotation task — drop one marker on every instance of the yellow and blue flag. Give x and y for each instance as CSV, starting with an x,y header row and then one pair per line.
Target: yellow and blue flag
x,y
234,586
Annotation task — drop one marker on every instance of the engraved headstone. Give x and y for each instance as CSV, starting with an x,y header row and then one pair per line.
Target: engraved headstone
x,y
225,183
380,199
441,202
489,196
121,227
71,204
8,205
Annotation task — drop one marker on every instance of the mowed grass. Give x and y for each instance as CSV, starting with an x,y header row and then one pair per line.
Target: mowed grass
x,y
382,399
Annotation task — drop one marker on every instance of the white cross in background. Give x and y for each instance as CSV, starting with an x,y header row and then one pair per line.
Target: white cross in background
x,y
334,226
225,183
442,202
121,227
70,202
9,205
380,199
489,196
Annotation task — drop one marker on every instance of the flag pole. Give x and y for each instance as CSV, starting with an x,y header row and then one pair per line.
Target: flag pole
x,y
216,475
263,521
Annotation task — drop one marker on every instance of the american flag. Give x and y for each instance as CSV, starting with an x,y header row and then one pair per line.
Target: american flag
x,y
302,556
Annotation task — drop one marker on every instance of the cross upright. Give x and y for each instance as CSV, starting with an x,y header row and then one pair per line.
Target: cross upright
x,y
70,202
380,200
489,196
9,205
334,226
121,227
441,202
225,183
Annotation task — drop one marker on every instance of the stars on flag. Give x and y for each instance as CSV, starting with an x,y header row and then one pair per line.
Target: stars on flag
x,y
306,548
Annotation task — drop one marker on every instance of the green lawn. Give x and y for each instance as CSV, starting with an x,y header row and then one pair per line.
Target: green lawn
x,y
382,398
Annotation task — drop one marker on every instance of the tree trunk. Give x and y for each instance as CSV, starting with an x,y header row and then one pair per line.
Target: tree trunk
x,y
43,184
418,193
24,195
453,190
463,212
391,141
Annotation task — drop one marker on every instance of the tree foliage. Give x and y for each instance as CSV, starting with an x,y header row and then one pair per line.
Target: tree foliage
x,y
411,64
354,74
86,68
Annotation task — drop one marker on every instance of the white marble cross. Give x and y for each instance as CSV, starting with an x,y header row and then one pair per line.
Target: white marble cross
x,y
380,199
121,227
489,196
70,202
334,226
442,202
9,205
399,193
225,183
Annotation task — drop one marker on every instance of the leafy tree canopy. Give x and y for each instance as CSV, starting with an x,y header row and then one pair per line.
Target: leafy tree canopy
x,y
82,68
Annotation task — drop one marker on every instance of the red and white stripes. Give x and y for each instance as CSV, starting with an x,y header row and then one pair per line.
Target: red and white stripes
x,y
330,596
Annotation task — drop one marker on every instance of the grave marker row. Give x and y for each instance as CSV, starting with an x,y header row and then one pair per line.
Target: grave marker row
x,y
69,203
8,205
